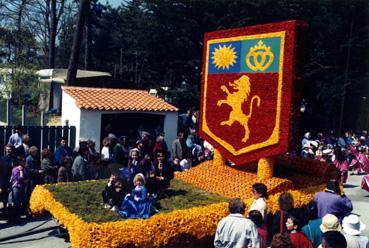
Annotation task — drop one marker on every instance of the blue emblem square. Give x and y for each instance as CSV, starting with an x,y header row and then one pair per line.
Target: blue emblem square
x,y
273,43
230,66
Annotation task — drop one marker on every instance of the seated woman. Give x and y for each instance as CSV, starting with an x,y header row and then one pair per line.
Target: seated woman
x,y
163,174
114,192
127,173
137,204
145,166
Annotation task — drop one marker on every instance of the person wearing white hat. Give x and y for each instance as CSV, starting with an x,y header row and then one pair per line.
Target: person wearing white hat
x,y
112,136
331,223
353,226
307,152
327,155
314,143
306,139
185,164
327,151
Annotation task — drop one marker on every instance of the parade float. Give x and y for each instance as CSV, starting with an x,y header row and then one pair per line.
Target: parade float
x,y
249,114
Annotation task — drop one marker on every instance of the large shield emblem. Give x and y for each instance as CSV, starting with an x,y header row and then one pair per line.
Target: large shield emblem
x,y
247,90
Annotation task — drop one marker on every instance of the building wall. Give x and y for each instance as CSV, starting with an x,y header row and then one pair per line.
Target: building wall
x,y
90,127
71,113
170,127
88,122
57,94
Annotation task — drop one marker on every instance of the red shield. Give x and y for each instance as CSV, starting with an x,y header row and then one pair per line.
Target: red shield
x,y
247,90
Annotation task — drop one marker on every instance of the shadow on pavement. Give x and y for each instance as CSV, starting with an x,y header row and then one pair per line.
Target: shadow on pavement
x,y
349,186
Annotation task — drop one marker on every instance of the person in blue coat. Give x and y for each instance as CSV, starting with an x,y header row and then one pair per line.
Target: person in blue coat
x,y
62,151
137,205
312,228
332,201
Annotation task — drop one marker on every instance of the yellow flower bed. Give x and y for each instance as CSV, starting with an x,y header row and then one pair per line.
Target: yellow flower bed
x,y
159,230
229,182
198,222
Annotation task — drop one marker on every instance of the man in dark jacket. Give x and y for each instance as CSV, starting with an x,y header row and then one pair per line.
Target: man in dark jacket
x,y
62,151
6,164
179,147
79,167
33,170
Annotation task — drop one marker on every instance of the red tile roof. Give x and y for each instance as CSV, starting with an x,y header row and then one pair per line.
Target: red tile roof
x,y
116,99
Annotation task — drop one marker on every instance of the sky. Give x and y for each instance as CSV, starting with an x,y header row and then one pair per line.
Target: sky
x,y
113,3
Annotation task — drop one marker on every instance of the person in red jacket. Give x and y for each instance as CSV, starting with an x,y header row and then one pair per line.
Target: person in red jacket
x,y
299,240
256,217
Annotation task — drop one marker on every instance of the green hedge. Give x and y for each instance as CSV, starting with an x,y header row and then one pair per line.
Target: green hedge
x,y
84,199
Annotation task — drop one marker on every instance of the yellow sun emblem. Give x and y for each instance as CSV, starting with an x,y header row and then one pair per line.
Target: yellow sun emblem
x,y
224,57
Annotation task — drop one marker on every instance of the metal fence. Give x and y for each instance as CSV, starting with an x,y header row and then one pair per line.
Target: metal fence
x,y
22,115
41,136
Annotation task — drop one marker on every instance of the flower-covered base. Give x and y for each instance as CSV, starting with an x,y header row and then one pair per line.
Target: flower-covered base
x,y
265,168
162,229
230,182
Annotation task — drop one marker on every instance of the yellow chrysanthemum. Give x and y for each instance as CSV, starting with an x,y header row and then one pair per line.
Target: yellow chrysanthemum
x,y
224,57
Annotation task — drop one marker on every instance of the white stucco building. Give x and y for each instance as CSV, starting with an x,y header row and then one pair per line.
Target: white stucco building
x,y
91,109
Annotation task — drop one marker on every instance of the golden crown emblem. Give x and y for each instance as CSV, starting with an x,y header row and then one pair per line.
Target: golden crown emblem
x,y
259,57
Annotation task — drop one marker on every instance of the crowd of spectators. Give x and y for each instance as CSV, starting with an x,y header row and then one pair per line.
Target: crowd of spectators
x,y
327,221
348,152
139,169
121,159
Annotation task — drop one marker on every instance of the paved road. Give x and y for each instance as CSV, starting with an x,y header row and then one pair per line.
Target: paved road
x,y
359,198
47,239
44,239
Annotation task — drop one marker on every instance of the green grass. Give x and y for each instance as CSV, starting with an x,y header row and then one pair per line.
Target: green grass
x,y
84,199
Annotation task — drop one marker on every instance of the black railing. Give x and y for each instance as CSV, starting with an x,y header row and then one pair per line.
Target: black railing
x,y
41,136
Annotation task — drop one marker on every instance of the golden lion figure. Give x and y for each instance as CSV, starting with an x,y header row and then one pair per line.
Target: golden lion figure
x,y
235,101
